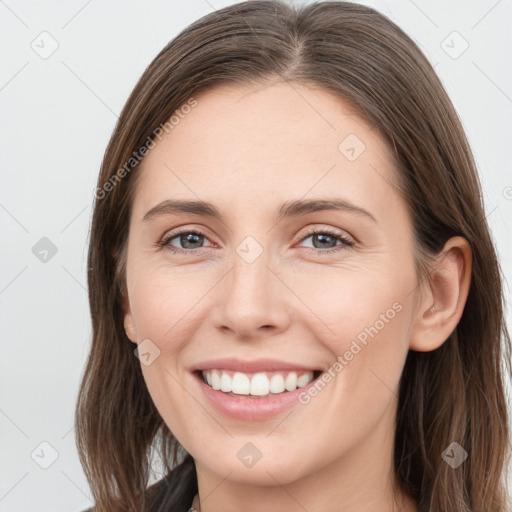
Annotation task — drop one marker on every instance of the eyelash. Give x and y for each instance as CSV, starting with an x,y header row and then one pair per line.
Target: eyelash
x,y
346,242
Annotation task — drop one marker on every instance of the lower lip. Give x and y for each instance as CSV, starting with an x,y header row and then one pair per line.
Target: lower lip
x,y
244,407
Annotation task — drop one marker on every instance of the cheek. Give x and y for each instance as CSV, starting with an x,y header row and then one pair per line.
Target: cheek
x,y
363,318
369,346
352,303
163,300
164,304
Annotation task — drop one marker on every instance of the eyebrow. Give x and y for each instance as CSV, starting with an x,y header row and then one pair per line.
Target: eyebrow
x,y
288,209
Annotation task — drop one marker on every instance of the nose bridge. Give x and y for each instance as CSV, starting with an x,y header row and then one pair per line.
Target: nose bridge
x,y
250,276
250,297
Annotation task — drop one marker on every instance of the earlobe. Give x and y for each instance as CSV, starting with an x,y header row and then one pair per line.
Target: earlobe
x,y
129,326
444,298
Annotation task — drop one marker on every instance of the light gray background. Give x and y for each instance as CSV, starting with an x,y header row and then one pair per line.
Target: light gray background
x,y
57,115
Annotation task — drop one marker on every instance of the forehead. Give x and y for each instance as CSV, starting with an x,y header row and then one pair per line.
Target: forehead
x,y
262,141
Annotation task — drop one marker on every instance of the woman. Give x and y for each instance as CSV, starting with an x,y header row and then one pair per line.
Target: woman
x,y
335,339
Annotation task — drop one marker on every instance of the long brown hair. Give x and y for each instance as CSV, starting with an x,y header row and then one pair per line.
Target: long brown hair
x,y
452,394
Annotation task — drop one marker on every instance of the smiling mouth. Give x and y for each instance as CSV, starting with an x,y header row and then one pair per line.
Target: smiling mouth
x,y
256,384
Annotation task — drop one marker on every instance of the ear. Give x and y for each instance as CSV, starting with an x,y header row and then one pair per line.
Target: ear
x,y
129,325
442,301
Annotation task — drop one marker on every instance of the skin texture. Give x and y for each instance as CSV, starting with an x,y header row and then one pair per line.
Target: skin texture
x,y
248,150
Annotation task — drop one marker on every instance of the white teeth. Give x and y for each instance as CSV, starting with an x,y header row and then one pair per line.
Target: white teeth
x,y
303,380
290,382
257,384
226,383
277,384
260,385
240,384
215,379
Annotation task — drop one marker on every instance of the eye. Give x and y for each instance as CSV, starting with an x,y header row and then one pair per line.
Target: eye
x,y
190,240
326,237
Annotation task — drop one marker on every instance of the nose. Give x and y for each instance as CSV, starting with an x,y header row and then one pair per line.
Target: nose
x,y
252,300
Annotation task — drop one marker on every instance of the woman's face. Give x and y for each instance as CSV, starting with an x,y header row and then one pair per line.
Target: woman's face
x,y
275,274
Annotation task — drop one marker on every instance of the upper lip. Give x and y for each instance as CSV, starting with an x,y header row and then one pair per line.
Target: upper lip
x,y
256,365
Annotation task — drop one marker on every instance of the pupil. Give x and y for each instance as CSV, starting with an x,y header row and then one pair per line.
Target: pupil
x,y
322,238
186,239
